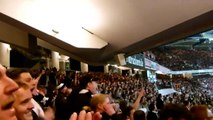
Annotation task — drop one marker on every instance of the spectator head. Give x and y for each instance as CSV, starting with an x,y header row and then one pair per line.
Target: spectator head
x,y
101,103
23,75
139,115
23,104
200,112
97,101
7,89
35,73
159,96
174,112
62,88
87,82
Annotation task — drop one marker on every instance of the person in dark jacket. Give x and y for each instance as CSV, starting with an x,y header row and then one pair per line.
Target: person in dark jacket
x,y
159,102
61,101
81,96
152,114
140,115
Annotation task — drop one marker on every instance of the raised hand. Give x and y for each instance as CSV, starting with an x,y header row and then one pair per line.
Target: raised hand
x,y
109,109
141,93
86,116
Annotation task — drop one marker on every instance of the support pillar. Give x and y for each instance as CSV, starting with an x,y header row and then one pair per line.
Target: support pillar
x,y
84,67
55,59
130,72
5,54
106,68
48,63
63,60
119,71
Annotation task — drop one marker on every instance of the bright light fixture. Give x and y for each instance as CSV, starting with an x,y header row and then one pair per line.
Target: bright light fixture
x,y
67,17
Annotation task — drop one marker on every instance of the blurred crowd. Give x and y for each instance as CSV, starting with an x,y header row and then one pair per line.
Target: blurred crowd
x,y
56,95
180,59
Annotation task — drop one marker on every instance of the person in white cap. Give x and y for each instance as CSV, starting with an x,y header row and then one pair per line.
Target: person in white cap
x,y
61,101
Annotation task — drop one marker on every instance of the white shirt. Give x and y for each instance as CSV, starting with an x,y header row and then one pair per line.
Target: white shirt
x,y
37,109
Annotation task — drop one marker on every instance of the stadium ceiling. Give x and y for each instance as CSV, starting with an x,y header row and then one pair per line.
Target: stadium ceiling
x,y
97,30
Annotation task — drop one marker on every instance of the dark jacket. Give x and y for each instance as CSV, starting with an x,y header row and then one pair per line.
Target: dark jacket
x,y
159,103
152,116
60,104
77,100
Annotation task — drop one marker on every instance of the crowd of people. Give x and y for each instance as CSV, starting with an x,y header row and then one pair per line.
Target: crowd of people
x,y
181,59
205,81
50,94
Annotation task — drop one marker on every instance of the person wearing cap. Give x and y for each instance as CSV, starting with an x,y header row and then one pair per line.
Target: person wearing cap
x,y
80,97
61,101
